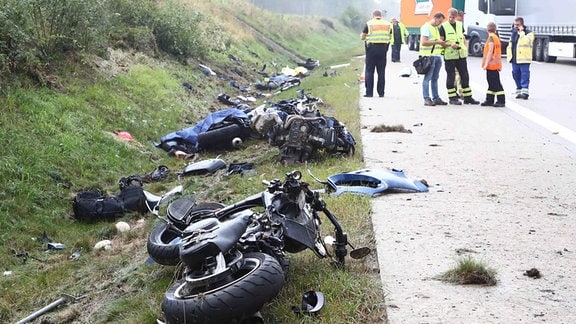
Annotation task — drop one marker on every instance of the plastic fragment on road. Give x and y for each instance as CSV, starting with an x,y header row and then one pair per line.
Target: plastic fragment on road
x,y
373,182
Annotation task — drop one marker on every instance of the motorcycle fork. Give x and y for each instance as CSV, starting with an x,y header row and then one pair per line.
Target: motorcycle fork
x,y
341,237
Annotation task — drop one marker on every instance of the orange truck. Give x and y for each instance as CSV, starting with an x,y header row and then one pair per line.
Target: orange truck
x,y
415,13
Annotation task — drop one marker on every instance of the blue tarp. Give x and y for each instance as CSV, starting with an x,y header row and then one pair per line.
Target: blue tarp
x,y
190,134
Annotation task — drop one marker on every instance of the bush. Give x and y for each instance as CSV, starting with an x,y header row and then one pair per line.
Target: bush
x,y
177,33
352,18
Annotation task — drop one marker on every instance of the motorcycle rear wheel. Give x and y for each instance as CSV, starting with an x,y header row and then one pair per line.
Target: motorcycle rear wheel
x,y
232,298
162,245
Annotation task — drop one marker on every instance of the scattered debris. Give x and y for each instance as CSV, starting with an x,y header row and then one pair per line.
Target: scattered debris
x,y
243,168
52,246
339,65
122,227
385,129
103,245
373,182
75,255
124,135
312,302
160,173
65,299
208,166
206,70
406,72
464,250
533,273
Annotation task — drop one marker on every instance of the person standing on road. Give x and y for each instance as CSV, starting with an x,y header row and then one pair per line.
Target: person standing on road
x,y
455,54
399,34
492,63
519,53
432,45
457,79
376,34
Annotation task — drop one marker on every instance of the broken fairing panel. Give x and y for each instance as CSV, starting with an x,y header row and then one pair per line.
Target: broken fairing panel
x,y
373,182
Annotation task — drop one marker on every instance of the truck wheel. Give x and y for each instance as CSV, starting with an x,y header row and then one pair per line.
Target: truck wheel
x,y
232,297
545,48
411,45
538,50
475,47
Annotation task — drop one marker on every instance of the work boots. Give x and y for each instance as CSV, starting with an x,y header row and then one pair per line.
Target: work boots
x,y
470,101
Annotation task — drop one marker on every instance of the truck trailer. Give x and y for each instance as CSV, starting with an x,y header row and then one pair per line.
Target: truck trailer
x,y
553,23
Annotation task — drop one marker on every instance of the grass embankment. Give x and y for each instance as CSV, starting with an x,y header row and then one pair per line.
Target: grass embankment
x,y
57,141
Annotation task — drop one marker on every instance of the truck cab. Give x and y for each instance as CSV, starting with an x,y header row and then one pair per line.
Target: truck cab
x,y
479,13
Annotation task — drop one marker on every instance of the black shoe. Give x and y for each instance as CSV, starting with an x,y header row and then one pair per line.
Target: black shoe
x,y
455,102
525,96
429,102
499,104
382,95
519,96
440,102
368,96
487,104
470,101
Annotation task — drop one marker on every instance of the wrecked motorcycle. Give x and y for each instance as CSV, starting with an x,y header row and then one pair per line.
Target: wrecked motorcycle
x,y
234,258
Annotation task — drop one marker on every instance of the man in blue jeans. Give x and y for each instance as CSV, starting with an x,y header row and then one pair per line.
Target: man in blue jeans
x,y
431,45
376,35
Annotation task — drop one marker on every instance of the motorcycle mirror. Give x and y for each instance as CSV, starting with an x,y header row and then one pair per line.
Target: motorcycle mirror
x,y
296,175
329,240
360,253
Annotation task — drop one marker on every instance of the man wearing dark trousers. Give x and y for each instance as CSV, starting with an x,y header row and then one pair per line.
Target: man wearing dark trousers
x,y
399,34
376,35
455,54
492,63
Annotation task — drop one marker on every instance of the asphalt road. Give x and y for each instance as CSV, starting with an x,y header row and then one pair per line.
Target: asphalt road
x,y
501,192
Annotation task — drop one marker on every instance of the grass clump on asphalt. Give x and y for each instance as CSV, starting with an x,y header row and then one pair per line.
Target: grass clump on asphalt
x,y
470,272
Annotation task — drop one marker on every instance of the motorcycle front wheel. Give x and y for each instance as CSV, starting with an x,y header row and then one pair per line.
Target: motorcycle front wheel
x,y
231,298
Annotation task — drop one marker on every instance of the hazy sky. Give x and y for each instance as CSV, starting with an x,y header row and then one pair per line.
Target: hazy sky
x,y
330,8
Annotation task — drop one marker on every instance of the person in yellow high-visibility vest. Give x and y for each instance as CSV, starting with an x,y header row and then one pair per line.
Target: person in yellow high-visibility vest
x,y
519,53
399,34
492,63
432,45
455,54
376,36
457,79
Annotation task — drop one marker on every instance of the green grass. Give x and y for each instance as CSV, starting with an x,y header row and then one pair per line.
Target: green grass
x,y
57,141
468,271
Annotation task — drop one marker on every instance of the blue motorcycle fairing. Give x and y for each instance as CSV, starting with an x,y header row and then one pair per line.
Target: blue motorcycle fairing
x,y
372,182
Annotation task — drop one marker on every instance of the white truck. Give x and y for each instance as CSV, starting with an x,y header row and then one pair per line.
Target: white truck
x,y
553,23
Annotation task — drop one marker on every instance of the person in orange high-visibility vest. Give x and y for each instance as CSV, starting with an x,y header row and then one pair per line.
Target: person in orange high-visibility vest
x,y
492,63
376,36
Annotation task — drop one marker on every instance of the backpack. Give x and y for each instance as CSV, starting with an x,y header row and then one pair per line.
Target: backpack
x,y
92,206
132,195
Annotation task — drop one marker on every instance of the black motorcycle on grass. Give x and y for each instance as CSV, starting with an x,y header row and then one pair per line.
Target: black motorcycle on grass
x,y
233,257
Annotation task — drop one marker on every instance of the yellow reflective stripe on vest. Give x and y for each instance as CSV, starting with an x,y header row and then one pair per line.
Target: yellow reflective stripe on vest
x,y
378,31
452,37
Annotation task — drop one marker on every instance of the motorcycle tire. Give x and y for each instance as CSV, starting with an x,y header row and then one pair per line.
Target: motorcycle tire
x,y
162,242
229,300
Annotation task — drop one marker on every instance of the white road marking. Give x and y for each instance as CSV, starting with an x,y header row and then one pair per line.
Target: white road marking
x,y
548,124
